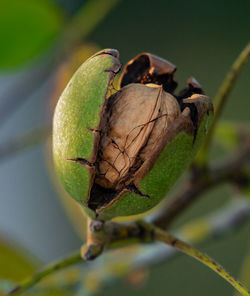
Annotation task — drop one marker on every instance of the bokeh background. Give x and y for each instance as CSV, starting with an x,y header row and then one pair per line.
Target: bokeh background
x,y
40,43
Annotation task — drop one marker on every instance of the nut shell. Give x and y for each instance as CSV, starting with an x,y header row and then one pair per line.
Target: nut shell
x,y
137,118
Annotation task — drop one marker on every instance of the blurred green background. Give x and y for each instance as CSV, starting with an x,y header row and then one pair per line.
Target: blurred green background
x,y
202,38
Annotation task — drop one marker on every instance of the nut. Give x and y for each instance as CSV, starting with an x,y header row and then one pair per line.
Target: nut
x,y
137,118
119,155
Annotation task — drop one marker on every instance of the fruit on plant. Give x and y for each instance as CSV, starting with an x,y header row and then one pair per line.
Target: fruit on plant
x,y
118,153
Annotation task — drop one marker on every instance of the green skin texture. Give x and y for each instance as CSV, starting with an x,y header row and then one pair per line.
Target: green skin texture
x,y
79,107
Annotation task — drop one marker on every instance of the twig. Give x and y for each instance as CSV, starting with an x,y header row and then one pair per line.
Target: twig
x,y
51,268
220,102
120,263
225,172
216,224
197,231
226,219
163,236
140,231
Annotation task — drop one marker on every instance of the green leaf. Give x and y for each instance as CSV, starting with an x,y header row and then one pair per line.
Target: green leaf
x,y
226,134
14,266
27,28
229,134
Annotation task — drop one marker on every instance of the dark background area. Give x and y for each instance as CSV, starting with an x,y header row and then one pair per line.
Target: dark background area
x,y
202,38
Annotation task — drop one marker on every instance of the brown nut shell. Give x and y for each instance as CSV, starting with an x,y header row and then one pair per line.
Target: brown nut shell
x,y
137,118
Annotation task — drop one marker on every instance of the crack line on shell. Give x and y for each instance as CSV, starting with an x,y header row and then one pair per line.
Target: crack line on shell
x,y
123,151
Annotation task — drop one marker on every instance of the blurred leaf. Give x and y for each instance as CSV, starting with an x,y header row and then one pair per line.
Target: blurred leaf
x,y
27,28
14,265
5,286
229,134
226,134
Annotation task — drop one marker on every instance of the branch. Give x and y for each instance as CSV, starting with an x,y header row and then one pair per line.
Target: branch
x,y
220,101
51,268
100,235
115,234
225,172
214,225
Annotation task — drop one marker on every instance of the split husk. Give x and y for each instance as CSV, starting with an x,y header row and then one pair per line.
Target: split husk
x,y
119,155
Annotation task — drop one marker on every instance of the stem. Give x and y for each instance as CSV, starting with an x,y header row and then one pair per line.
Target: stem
x,y
47,270
221,100
162,236
111,232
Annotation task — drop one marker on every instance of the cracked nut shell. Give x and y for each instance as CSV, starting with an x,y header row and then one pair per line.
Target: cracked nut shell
x,y
119,154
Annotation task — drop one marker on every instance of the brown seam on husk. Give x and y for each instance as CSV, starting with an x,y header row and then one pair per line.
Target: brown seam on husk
x,y
119,194
202,104
113,52
112,71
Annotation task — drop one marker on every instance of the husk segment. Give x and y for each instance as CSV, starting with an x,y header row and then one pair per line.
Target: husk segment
x,y
144,69
81,120
76,129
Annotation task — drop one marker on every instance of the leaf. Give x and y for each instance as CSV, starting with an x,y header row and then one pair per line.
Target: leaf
x,y
229,134
27,28
14,265
226,134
